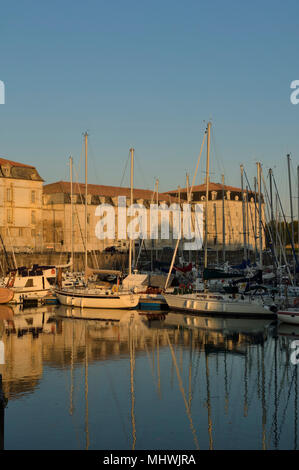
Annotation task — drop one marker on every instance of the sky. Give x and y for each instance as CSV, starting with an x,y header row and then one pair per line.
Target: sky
x,y
150,75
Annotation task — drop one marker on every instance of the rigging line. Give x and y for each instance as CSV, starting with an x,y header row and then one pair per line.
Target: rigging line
x,y
151,365
114,395
196,367
285,409
75,422
196,168
220,164
81,158
257,210
76,211
269,219
125,169
183,392
283,214
139,168
293,173
91,157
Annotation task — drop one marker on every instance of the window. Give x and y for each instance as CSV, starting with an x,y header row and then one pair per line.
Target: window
x,y
21,232
33,217
33,232
33,197
29,282
8,195
9,216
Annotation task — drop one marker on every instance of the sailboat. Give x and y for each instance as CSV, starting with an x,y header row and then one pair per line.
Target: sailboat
x,y
289,315
95,297
213,302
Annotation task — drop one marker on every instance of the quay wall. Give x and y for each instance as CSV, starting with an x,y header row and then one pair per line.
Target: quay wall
x,y
118,260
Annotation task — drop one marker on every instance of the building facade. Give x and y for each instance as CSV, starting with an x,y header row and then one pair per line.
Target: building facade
x,y
228,215
21,189
64,221
34,217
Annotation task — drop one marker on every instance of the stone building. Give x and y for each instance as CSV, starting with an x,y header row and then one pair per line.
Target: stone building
x,y
232,209
21,189
34,217
57,209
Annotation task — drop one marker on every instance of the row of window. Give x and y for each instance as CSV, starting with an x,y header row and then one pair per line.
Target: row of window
x,y
19,232
9,196
9,216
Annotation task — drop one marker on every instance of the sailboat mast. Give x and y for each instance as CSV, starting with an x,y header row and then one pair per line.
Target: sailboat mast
x,y
71,218
291,204
260,214
298,204
207,194
223,222
131,202
157,202
243,212
85,141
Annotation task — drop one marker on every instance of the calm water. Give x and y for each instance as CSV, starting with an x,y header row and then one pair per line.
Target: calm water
x,y
125,380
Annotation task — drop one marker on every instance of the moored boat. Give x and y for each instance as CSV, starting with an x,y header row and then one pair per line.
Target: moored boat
x,y
97,298
218,304
29,283
289,315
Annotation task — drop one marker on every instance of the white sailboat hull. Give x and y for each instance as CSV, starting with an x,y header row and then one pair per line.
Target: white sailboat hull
x,y
86,299
193,303
289,316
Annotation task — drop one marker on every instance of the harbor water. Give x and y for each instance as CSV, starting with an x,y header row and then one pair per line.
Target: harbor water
x,y
129,380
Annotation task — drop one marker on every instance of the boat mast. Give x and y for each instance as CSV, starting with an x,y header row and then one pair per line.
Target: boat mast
x,y
247,223
255,222
157,202
71,219
243,212
131,202
271,196
85,140
260,214
223,222
188,201
216,233
298,204
291,205
207,196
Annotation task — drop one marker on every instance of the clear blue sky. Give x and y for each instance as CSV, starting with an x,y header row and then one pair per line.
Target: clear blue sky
x,y
148,74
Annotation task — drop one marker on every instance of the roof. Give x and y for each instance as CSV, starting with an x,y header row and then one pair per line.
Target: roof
x,y
16,170
4,161
202,187
103,190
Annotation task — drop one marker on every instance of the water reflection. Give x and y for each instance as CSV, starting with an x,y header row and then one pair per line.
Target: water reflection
x,y
137,380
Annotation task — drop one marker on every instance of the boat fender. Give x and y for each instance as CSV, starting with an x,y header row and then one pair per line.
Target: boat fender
x,y
114,288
